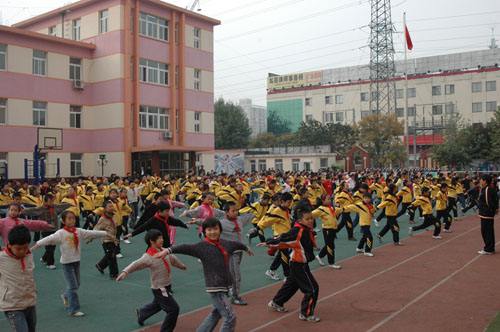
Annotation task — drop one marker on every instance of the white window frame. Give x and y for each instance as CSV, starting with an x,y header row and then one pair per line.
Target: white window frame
x,y
253,166
153,117
153,72
153,26
3,111
278,164
75,69
197,38
262,164
475,85
75,164
491,106
449,108
477,107
328,100
364,96
39,63
75,116
323,162
400,93
449,89
339,99
76,29
197,79
411,92
339,117
39,113
437,109
491,86
308,101
400,112
328,117
411,111
103,20
436,90
52,30
295,165
3,57
197,122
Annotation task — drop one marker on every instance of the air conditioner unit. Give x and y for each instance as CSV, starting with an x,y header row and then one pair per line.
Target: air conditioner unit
x,y
167,135
77,84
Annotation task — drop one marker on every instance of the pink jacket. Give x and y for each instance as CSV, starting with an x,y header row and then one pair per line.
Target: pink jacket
x,y
174,205
6,224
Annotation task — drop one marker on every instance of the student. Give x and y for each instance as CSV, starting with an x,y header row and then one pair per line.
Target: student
x,y
365,210
328,216
87,206
258,210
214,254
487,205
110,242
17,283
160,273
300,239
70,238
343,198
424,202
390,205
405,196
442,212
204,211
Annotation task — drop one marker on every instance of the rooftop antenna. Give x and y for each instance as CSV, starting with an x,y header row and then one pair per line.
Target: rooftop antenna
x,y
493,41
195,5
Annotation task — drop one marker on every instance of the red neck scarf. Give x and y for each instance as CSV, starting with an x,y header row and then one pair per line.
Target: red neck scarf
x,y
332,210
109,218
308,230
152,251
221,249
370,208
23,263
73,231
16,220
208,208
164,220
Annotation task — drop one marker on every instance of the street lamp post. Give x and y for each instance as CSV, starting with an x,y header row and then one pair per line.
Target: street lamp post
x,y
102,161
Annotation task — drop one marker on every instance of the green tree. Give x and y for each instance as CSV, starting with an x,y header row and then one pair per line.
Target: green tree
x,y
454,152
311,132
231,126
494,128
379,135
277,125
340,137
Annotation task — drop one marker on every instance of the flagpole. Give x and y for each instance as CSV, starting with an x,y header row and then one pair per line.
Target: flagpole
x,y
407,137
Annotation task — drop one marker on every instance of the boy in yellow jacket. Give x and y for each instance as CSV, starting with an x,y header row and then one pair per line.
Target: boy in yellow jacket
x,y
365,210
328,216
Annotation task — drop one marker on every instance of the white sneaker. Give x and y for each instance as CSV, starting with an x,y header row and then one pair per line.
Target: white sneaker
x,y
334,266
119,256
482,252
380,239
272,274
447,231
376,223
359,251
410,231
320,261
77,314
51,267
438,237
398,244
127,241
368,254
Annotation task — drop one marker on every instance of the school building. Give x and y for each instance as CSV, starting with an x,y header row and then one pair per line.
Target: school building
x,y
439,88
123,86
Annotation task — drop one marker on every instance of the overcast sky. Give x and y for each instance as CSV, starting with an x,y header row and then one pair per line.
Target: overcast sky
x,y
283,36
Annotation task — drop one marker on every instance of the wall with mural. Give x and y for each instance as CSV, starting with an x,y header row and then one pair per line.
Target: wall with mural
x,y
229,162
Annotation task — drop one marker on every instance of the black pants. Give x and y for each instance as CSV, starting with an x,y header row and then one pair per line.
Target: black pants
x,y
300,278
89,221
430,220
392,224
256,231
48,256
125,224
488,233
452,207
381,215
367,239
282,258
163,300
345,220
109,259
404,208
329,248
444,217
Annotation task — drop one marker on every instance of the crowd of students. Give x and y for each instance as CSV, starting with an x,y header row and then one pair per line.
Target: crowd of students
x,y
292,204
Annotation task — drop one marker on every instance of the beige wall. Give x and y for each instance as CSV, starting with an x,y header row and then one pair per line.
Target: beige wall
x,y
207,122
16,163
58,66
58,115
103,116
19,112
115,164
103,69
207,38
207,80
19,59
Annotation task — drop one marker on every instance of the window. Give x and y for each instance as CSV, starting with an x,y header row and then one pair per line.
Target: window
x,y
295,165
339,99
491,106
197,79
153,26
52,30
151,117
75,164
323,162
39,63
3,164
3,56
262,165
477,86
364,96
75,69
197,122
436,90
3,111
437,109
412,111
309,118
400,112
449,89
253,166
308,102
39,113
103,21
491,85
477,107
328,117
449,108
339,117
153,72
411,92
328,100
278,164
197,38
75,31
75,116
400,93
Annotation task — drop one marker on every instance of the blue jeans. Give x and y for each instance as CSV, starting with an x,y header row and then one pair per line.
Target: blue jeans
x,y
222,308
22,320
72,276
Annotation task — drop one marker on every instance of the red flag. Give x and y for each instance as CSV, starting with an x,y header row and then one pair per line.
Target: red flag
x,y
409,43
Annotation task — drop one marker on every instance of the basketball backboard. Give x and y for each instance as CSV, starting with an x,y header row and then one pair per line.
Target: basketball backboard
x,y
50,138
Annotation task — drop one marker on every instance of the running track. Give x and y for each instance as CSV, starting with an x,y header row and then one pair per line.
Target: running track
x,y
425,285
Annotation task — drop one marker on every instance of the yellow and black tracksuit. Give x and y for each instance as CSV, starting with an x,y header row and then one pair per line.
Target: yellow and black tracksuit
x,y
258,211
406,197
452,200
342,199
87,206
390,204
426,205
442,209
229,194
328,217
32,201
365,212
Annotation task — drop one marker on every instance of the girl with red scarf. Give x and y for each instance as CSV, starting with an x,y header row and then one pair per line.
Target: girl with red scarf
x,y
69,238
